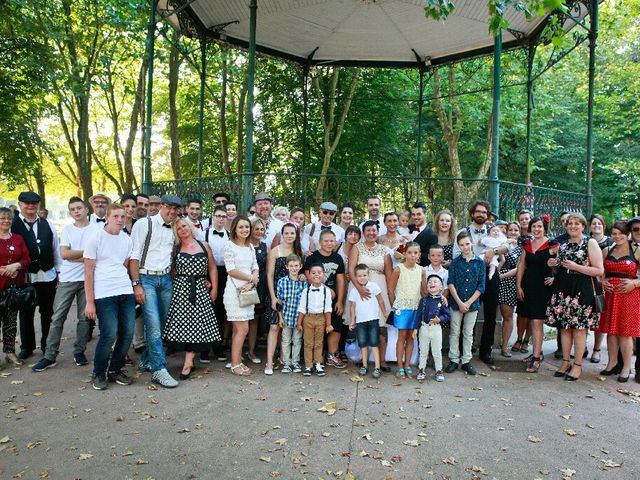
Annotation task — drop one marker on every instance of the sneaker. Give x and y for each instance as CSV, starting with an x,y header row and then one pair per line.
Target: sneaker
x,y
204,357
164,379
376,373
227,365
268,369
335,362
320,370
144,367
296,367
219,353
43,364
439,376
470,369
421,376
452,367
81,359
254,359
121,377
364,370
286,369
307,372
100,382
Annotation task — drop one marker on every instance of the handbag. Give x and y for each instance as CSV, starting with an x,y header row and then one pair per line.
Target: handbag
x,y
599,297
19,297
248,297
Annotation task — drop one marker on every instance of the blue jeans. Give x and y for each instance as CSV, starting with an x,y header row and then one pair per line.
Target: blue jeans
x,y
116,320
368,333
157,292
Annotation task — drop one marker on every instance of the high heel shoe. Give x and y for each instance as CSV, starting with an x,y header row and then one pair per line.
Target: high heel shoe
x,y
185,376
609,373
571,378
622,379
559,373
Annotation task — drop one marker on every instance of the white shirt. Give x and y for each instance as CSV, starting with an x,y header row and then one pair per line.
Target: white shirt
x,y
199,228
94,219
443,273
274,228
110,277
49,275
316,296
75,238
382,228
478,248
217,243
160,244
369,309
415,233
335,228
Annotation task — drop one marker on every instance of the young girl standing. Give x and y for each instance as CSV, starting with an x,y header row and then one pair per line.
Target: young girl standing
x,y
406,288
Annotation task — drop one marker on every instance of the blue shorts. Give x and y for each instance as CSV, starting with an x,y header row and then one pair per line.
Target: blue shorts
x,y
404,319
368,333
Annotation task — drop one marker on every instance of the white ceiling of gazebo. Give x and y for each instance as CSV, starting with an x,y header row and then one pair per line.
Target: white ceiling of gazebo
x,y
393,32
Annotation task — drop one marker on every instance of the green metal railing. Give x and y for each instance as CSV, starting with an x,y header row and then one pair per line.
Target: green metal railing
x,y
396,192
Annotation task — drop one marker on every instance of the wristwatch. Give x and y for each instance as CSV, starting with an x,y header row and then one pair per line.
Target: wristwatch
x,y
135,282
495,251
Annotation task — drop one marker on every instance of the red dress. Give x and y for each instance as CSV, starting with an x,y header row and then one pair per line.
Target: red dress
x,y
620,316
13,250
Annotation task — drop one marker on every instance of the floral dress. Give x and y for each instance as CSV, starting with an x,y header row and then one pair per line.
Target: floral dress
x,y
572,303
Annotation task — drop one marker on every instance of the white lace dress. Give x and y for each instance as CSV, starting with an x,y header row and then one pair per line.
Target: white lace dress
x,y
240,258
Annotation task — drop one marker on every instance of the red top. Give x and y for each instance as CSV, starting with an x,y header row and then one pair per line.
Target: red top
x,y
13,250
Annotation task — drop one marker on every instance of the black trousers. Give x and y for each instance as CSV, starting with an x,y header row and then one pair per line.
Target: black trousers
x,y
490,302
46,295
218,306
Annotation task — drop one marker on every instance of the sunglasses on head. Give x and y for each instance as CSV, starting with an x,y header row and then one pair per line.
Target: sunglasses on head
x,y
328,212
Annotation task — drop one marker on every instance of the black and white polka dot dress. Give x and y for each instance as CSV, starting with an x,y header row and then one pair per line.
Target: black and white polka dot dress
x,y
191,322
507,293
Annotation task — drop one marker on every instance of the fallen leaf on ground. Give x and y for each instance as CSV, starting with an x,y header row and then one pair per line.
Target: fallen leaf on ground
x,y
265,459
326,434
349,476
396,459
282,441
386,463
5,439
449,460
631,393
566,417
262,398
32,445
17,382
610,463
357,378
184,430
588,425
119,418
128,453
328,408
533,439
85,456
476,469
253,382
411,443
363,453
567,472
422,434
570,432
44,474
141,461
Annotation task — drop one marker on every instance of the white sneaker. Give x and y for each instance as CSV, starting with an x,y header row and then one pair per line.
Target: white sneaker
x,y
164,379
227,365
319,370
268,369
286,369
296,367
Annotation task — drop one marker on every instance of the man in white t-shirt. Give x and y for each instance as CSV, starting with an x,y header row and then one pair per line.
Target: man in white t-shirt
x,y
109,297
70,286
327,212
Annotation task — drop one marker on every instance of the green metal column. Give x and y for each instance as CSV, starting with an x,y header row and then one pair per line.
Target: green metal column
x,y
305,126
151,37
494,182
419,139
530,58
247,182
593,37
203,79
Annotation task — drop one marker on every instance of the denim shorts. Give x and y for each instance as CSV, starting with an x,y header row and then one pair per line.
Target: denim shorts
x,y
368,333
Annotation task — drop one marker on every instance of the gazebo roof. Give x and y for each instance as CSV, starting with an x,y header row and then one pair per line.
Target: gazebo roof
x,y
393,33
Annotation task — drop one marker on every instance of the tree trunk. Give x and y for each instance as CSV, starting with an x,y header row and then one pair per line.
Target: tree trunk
x,y
175,59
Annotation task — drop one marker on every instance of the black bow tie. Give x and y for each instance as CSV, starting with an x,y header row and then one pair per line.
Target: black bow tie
x,y
315,289
478,230
220,234
166,225
325,227
101,220
377,222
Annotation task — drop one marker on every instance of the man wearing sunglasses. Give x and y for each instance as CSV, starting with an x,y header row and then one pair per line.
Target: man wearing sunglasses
x,y
264,206
327,214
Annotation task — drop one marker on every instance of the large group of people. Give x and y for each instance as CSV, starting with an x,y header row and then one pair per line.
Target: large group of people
x,y
161,277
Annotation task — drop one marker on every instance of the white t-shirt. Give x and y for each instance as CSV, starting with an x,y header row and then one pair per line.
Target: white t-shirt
x,y
443,273
75,238
110,277
366,310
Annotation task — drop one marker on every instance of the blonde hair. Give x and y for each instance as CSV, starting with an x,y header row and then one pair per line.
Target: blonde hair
x,y
452,231
174,228
577,216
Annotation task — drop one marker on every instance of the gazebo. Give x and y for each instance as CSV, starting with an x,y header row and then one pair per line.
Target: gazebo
x,y
373,33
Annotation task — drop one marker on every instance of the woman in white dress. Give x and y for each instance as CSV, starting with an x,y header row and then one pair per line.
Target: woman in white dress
x,y
242,269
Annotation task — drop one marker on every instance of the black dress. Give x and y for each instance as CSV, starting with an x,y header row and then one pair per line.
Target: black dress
x,y
191,322
263,290
536,293
507,294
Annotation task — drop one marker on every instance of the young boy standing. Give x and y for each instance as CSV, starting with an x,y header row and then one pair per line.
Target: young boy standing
x,y
436,259
365,315
314,316
431,317
288,291
334,274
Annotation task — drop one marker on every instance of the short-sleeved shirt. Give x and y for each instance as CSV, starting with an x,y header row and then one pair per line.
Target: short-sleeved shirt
x,y
110,276
315,300
288,292
75,238
366,309
467,276
443,273
333,266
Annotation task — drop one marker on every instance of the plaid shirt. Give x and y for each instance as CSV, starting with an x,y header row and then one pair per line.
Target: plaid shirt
x,y
289,291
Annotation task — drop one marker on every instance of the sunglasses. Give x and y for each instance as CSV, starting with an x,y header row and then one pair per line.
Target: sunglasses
x,y
328,212
635,229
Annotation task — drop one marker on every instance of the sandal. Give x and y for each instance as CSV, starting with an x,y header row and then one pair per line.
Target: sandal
x,y
409,371
244,371
527,359
561,373
524,346
400,373
534,364
571,378
516,346
506,353
595,356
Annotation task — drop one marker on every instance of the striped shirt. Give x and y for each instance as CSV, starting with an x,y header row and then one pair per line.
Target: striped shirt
x,y
289,291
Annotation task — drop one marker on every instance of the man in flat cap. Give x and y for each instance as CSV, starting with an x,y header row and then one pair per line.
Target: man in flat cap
x,y
327,213
42,241
149,267
264,206
99,203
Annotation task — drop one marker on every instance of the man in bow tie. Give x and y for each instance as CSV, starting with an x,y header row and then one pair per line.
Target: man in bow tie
x,y
99,203
41,239
264,206
194,214
374,207
149,267
477,229
421,233
327,213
